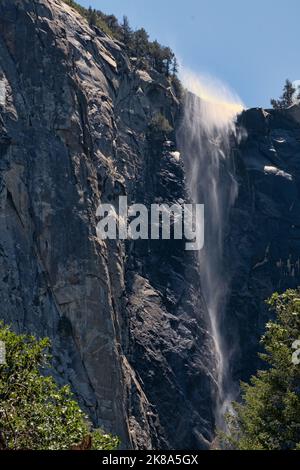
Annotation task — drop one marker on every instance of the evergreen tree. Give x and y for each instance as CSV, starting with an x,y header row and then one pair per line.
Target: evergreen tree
x,y
126,33
287,98
35,413
156,56
141,43
112,23
288,93
269,416
92,17
174,67
168,57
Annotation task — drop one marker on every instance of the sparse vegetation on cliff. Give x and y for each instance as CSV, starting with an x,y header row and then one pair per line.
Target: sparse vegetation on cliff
x,y
287,98
159,128
137,43
34,412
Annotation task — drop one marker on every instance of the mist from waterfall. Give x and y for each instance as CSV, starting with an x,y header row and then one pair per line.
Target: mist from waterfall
x,y
204,137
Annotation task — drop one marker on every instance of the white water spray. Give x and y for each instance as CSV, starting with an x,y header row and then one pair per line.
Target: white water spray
x,y
210,110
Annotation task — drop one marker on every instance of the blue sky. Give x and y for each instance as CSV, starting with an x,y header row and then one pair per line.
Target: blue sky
x,y
251,45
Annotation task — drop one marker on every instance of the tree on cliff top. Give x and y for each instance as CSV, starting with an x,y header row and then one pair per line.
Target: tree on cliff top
x,y
126,33
269,416
34,412
92,17
287,97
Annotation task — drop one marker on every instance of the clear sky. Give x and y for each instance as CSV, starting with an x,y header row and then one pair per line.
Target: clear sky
x,y
251,45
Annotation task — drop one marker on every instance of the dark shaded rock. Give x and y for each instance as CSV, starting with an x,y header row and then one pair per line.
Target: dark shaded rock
x,y
255,120
263,246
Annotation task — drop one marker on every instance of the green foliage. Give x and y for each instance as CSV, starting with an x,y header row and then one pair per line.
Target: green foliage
x,y
141,47
177,86
95,18
92,17
161,57
174,67
126,34
269,416
159,128
287,98
34,412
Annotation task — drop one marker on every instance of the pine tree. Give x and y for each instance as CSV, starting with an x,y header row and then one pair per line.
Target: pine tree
x,y
174,67
156,56
112,23
168,57
141,42
126,33
269,416
288,93
287,98
92,17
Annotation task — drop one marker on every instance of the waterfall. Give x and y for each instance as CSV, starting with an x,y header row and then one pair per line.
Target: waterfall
x,y
204,139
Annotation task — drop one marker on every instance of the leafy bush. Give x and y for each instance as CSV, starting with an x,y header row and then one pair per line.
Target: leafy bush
x,y
34,412
159,128
269,416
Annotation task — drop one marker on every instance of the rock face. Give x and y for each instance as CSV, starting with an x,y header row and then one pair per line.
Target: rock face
x,y
126,320
263,244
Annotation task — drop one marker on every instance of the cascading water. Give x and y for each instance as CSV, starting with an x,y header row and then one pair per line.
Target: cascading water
x,y
204,139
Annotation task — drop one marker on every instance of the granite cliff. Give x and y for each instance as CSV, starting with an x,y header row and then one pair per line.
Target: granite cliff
x,y
127,321
263,243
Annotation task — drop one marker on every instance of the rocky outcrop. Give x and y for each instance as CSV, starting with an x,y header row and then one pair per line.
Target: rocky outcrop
x,y
263,244
126,320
